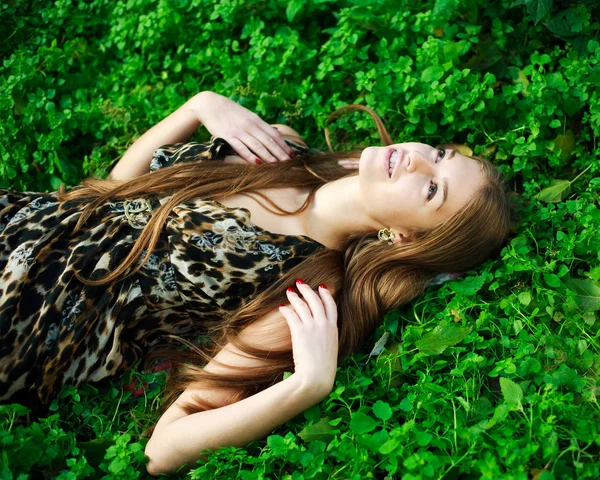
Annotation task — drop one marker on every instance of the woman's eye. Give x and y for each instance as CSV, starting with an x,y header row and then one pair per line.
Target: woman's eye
x,y
441,152
432,191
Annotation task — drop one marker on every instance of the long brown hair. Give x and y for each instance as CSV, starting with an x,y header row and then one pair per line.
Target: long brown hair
x,y
367,277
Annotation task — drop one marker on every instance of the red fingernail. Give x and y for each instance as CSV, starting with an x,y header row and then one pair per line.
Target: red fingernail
x,y
162,366
293,154
291,290
130,386
300,281
323,286
282,305
258,162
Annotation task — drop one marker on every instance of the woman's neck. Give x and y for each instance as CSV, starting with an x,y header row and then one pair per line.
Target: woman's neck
x,y
335,212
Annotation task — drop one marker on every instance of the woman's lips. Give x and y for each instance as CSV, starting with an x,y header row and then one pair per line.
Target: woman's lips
x,y
387,157
386,160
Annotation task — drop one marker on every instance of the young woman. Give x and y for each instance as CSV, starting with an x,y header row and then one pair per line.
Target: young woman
x,y
177,243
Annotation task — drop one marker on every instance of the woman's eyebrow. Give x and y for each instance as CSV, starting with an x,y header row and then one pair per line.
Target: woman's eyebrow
x,y
445,189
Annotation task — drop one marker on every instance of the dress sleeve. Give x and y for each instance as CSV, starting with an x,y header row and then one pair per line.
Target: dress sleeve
x,y
173,153
216,149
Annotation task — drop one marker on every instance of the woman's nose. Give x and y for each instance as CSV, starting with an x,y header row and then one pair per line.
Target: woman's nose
x,y
418,163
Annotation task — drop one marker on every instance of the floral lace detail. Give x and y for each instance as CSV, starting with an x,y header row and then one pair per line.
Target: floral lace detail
x,y
275,253
159,160
162,270
69,313
20,260
71,310
229,236
33,206
52,336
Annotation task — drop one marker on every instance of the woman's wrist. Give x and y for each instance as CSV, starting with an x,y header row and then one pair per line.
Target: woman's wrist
x,y
310,388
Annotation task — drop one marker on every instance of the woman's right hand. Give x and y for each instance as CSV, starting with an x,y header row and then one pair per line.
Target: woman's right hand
x,y
313,326
350,163
248,134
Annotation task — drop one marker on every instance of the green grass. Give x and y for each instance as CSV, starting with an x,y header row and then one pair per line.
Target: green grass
x,y
494,375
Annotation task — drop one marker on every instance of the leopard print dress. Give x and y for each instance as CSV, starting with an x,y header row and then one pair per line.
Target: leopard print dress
x,y
56,330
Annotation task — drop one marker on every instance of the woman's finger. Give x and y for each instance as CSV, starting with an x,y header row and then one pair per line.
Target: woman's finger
x,y
292,317
270,143
329,304
242,150
276,135
258,148
314,301
300,306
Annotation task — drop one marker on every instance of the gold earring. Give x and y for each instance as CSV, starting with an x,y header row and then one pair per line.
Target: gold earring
x,y
386,235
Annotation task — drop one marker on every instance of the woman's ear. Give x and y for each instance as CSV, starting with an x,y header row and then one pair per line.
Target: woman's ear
x,y
401,236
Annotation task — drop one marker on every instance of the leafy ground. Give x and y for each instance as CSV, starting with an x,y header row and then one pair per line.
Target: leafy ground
x,y
494,375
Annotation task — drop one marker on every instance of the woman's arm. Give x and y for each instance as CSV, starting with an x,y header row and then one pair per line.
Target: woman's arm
x,y
238,424
175,128
178,438
245,131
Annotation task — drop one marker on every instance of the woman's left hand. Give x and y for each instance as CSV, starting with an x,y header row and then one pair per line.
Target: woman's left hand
x,y
250,136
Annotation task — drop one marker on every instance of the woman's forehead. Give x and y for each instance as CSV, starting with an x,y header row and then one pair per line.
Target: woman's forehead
x,y
415,145
425,148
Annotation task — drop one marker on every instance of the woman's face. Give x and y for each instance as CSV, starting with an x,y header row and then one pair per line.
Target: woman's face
x,y
426,186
